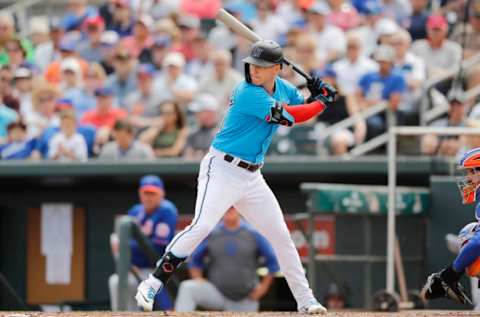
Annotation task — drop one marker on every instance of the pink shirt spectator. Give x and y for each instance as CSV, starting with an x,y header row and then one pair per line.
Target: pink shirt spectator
x,y
346,18
204,9
135,47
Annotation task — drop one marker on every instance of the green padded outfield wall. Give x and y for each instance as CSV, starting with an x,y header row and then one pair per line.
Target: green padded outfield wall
x,y
109,189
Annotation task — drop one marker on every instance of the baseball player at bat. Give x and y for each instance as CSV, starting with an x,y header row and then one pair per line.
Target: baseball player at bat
x,y
230,173
446,282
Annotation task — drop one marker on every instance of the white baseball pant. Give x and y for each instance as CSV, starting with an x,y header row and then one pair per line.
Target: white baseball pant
x,y
221,185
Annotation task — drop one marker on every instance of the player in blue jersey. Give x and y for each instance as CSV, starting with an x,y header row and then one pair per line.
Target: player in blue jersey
x,y
157,218
446,282
230,173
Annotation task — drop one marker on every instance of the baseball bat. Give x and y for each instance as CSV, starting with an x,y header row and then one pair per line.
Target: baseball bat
x,y
242,30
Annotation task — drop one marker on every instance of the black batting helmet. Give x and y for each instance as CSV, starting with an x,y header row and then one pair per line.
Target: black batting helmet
x,y
264,53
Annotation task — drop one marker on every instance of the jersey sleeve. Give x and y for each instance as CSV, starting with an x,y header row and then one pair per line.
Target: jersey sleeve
x,y
266,250
198,256
295,96
364,84
254,101
400,85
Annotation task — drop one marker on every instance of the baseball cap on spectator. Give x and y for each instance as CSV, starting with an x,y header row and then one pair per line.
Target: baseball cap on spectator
x,y
152,184
320,8
146,20
162,41
103,92
64,104
372,7
95,21
204,102
146,69
109,38
386,27
174,59
39,25
67,44
22,72
55,24
189,22
384,53
70,64
437,22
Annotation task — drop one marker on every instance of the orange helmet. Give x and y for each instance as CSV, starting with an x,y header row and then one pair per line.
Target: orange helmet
x,y
469,183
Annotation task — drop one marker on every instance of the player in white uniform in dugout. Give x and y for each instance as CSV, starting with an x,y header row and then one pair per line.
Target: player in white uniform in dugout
x,y
230,172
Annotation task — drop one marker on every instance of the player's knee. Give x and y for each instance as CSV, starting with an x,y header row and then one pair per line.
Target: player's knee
x,y
188,287
203,229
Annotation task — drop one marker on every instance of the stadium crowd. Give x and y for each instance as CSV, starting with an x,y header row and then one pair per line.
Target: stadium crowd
x,y
133,79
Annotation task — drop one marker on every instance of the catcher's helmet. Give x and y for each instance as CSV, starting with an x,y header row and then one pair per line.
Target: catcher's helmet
x,y
264,53
469,183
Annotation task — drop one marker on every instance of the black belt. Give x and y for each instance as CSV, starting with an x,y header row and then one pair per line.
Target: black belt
x,y
243,164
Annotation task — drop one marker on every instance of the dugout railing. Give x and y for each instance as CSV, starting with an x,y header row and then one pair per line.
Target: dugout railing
x,y
126,228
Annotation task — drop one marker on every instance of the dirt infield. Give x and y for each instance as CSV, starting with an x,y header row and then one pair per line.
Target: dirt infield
x,y
410,313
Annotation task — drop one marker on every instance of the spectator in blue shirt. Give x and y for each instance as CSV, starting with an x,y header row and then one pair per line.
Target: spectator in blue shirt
x,y
416,23
382,85
123,80
157,218
18,147
77,12
233,249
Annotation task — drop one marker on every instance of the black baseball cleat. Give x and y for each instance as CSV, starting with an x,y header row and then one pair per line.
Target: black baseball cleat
x,y
437,287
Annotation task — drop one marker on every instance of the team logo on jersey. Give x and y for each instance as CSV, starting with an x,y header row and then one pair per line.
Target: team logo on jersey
x,y
162,230
257,52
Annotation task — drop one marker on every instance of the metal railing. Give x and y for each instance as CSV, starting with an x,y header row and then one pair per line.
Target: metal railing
x,y
127,229
427,115
19,10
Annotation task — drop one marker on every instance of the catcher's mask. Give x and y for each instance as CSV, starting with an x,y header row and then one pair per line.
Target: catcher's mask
x,y
264,53
469,182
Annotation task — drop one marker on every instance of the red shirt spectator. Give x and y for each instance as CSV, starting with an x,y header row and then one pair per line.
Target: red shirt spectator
x,y
104,115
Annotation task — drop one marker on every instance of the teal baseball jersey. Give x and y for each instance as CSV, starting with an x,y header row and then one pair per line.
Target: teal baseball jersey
x,y
246,132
